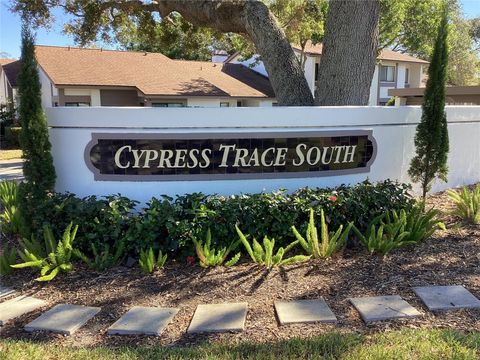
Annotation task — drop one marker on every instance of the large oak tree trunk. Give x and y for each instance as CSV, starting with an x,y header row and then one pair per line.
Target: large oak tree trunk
x,y
349,53
252,18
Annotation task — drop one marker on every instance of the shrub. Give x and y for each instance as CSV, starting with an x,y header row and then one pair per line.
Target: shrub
x,y
467,204
382,240
420,225
148,262
400,229
330,242
101,221
12,136
58,254
170,225
209,257
7,258
104,259
10,219
264,255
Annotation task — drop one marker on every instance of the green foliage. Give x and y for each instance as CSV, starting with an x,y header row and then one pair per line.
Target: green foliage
x,y
301,21
148,262
264,256
329,243
7,114
103,259
38,164
10,219
391,101
171,224
101,221
420,224
8,257
467,204
172,36
431,138
12,136
58,254
211,257
399,229
384,239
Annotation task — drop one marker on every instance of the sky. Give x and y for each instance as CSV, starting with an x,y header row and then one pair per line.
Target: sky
x,y
10,29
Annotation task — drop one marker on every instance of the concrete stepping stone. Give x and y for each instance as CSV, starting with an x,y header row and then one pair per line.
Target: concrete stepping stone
x,y
219,318
143,321
377,308
446,297
63,319
304,311
18,306
4,292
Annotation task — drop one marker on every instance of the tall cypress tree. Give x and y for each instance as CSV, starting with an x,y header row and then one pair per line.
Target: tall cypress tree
x,y
38,164
431,138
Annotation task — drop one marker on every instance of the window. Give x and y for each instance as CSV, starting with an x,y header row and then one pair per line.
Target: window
x,y
316,71
167,105
387,73
406,75
239,103
224,104
77,104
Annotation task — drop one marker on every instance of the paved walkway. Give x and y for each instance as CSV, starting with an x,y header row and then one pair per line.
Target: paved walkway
x,y
11,169
228,317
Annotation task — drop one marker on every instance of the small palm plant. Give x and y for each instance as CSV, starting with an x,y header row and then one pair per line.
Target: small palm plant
x,y
58,254
467,204
265,255
148,261
328,244
211,257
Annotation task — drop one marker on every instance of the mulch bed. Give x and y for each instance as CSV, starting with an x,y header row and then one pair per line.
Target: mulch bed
x,y
450,257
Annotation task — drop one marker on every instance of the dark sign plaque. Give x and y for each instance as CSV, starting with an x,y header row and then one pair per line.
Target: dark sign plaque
x,y
201,156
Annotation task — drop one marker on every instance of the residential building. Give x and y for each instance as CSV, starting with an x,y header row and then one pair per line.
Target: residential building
x,y
96,77
393,70
455,95
9,69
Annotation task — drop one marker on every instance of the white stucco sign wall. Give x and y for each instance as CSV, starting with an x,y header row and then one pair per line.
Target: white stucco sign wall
x,y
145,152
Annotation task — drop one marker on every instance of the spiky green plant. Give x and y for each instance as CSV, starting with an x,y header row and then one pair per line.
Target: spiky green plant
x,y
419,224
210,257
399,229
10,219
264,255
467,204
103,259
148,262
58,254
7,258
328,244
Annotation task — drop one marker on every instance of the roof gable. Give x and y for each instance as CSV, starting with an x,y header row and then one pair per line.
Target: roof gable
x,y
385,54
150,73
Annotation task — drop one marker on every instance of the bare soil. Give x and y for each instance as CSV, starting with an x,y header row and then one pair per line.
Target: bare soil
x,y
450,257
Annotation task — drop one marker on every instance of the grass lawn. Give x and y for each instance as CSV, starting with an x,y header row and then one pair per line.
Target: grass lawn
x,y
399,344
6,154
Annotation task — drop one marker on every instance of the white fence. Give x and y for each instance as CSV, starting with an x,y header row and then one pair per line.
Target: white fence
x,y
393,129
